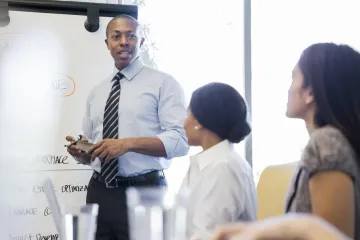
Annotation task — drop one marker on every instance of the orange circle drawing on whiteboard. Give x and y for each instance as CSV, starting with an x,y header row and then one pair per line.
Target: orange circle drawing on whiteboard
x,y
74,84
64,85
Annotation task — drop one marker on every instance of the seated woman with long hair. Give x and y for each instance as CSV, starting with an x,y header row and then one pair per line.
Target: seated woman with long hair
x,y
221,184
325,93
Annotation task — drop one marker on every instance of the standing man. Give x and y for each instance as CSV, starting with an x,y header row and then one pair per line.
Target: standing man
x,y
135,117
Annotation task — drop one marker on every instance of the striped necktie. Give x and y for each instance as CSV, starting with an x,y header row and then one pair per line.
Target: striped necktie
x,y
109,170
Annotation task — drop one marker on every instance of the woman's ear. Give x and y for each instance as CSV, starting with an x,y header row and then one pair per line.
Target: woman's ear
x,y
309,96
197,125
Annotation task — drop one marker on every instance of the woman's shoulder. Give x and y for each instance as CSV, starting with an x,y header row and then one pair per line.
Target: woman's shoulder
x,y
238,165
231,163
329,149
328,132
330,140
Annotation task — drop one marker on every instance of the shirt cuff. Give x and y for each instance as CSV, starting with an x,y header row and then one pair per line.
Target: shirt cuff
x,y
175,145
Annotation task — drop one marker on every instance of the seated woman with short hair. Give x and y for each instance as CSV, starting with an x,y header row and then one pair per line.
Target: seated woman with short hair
x,y
222,189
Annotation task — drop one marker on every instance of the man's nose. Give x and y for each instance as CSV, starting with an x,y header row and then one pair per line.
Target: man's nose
x,y
124,41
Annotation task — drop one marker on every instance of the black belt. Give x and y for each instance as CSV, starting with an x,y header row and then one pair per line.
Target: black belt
x,y
128,181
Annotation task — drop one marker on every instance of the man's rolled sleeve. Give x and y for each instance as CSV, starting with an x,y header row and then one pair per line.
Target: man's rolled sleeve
x,y
172,114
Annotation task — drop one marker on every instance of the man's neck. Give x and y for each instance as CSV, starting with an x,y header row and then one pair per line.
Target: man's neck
x,y
120,67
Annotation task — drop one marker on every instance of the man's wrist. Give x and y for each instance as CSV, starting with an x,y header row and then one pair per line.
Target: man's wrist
x,y
129,144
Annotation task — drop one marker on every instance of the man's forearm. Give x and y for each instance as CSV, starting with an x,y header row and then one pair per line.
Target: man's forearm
x,y
147,146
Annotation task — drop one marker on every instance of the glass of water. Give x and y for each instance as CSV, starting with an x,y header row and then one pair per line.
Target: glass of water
x,y
155,213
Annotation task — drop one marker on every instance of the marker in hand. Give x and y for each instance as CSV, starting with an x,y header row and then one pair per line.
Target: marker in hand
x,y
73,142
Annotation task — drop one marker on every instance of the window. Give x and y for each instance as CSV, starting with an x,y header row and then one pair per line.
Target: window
x,y
280,31
196,45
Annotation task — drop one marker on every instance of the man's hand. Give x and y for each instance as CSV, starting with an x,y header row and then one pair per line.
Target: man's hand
x,y
108,149
77,153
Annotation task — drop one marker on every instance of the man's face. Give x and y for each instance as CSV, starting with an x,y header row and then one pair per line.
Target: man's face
x,y
123,41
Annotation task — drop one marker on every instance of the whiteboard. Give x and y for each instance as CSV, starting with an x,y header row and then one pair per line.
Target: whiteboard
x,y
49,64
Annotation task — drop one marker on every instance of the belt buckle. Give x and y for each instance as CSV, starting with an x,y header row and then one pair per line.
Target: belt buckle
x,y
108,185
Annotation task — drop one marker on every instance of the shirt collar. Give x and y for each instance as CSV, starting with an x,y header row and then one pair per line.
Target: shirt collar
x,y
211,155
132,69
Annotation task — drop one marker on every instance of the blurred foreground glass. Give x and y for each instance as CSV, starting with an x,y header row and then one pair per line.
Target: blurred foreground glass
x,y
77,224
82,225
156,213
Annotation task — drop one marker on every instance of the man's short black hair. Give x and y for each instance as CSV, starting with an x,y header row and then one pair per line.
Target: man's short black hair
x,y
119,17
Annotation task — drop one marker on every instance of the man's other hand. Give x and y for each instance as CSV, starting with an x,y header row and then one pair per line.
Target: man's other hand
x,y
82,157
108,149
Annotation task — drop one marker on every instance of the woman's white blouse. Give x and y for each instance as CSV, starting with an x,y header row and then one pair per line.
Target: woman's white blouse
x,y
222,190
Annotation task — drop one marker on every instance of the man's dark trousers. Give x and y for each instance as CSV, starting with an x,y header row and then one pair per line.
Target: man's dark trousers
x,y
112,223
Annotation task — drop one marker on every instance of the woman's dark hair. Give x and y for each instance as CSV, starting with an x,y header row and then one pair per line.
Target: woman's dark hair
x,y
333,73
222,110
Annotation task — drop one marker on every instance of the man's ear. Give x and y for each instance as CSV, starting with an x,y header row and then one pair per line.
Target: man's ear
x,y
106,42
142,42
